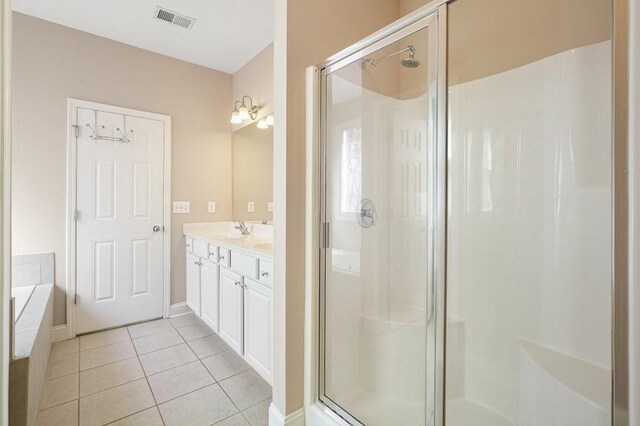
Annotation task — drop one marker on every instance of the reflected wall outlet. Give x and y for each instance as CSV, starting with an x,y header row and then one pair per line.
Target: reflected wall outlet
x,y
270,206
181,207
211,207
251,207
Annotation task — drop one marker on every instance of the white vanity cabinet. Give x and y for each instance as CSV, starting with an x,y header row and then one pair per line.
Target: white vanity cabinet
x,y
193,282
258,326
231,306
202,282
229,288
209,290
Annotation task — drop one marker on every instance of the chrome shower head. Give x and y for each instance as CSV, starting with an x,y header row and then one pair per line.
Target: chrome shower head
x,y
411,61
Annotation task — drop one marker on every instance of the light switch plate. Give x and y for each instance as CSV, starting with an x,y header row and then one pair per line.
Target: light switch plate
x,y
270,206
181,207
251,207
211,207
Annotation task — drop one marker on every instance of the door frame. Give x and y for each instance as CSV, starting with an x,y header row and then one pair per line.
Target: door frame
x,y
72,105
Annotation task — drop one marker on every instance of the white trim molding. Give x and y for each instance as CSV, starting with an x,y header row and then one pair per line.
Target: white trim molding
x,y
59,333
72,105
179,309
276,418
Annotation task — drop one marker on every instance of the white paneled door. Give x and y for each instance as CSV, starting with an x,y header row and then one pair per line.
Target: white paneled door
x,y
119,220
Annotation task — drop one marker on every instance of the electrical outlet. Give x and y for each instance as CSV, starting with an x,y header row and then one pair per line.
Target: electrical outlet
x,y
270,206
181,207
251,207
211,208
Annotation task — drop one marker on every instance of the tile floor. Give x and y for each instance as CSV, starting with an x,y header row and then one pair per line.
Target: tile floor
x,y
163,372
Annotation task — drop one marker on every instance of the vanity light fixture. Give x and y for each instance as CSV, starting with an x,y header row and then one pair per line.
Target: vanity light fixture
x,y
265,122
235,114
244,112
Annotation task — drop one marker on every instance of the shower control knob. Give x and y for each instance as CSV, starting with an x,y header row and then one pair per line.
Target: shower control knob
x,y
367,215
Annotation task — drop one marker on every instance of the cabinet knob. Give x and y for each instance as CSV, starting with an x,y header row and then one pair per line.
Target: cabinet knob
x,y
264,274
237,282
220,257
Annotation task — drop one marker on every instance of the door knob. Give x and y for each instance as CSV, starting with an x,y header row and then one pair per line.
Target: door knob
x,y
156,228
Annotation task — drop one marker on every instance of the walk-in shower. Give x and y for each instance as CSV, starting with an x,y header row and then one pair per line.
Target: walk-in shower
x,y
462,199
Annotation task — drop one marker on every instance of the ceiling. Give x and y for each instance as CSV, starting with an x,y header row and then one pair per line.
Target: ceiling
x,y
226,35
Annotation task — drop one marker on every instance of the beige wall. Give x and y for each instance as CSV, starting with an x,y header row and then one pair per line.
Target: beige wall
x,y
252,172
491,36
256,80
52,63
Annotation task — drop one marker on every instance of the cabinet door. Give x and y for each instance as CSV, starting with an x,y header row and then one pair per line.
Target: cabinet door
x,y
209,278
231,309
193,283
257,327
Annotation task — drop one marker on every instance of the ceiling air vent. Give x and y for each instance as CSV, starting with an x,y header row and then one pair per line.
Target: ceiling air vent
x,y
172,17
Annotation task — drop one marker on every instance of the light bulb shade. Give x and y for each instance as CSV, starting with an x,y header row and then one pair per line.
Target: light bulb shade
x,y
243,112
262,124
235,118
269,120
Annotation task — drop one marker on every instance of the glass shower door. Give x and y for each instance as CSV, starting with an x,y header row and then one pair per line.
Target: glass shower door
x,y
377,307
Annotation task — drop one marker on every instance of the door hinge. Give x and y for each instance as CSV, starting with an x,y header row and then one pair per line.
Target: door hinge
x,y
76,130
75,298
76,215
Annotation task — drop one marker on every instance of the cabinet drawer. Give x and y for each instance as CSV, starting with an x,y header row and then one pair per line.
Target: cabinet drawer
x,y
189,245
266,273
224,256
200,248
246,265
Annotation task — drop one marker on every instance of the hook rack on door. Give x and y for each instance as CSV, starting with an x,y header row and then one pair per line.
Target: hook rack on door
x,y
97,136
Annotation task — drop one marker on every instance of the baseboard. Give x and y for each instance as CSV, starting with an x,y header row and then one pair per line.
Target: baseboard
x,y
178,309
277,419
59,333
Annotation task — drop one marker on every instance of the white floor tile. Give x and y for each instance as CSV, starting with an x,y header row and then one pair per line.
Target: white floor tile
x,y
61,415
61,364
66,346
115,403
164,359
148,328
58,391
149,417
157,341
179,381
103,338
110,375
225,364
106,355
202,407
208,346
195,331
184,320
246,389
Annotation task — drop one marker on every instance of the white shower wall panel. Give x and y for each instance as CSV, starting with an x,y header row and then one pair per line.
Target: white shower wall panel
x,y
530,218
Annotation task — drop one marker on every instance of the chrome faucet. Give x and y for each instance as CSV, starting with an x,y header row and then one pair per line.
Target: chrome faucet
x,y
243,228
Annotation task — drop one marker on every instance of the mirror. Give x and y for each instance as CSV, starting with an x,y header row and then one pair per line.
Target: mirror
x,y
252,173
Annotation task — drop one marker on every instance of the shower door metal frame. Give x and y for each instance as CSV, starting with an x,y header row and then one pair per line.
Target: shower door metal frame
x,y
434,13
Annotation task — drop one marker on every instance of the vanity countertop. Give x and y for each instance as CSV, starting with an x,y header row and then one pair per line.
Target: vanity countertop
x,y
258,243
